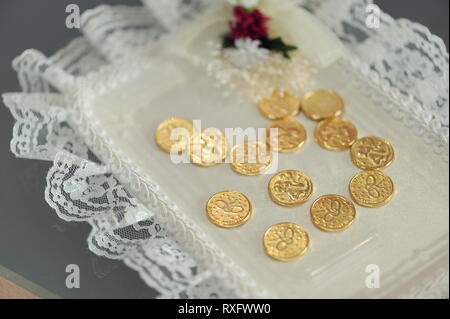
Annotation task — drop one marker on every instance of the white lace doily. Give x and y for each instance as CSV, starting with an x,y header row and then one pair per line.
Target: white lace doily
x,y
403,58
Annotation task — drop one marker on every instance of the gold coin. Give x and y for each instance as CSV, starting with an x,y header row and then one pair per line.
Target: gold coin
x,y
228,209
291,135
371,188
250,158
208,148
332,212
164,132
279,105
372,153
319,105
290,188
285,241
335,134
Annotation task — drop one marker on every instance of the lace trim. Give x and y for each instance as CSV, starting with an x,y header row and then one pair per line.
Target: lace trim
x,y
41,129
404,53
80,190
402,107
116,43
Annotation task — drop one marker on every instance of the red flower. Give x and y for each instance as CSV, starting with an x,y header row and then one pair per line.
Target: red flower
x,y
251,25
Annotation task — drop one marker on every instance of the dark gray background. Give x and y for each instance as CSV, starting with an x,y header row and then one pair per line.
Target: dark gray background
x,y
34,242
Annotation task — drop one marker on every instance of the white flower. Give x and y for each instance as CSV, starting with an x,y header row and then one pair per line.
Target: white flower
x,y
247,53
247,4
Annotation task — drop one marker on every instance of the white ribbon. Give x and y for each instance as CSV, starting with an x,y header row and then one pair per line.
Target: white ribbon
x,y
294,24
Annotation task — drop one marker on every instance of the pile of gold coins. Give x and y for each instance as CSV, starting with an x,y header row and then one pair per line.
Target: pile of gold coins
x,y
287,241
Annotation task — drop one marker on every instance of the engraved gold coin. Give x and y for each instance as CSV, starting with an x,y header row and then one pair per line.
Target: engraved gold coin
x,y
208,147
335,134
285,241
372,153
290,135
319,105
164,132
279,105
332,212
250,158
371,188
228,209
290,188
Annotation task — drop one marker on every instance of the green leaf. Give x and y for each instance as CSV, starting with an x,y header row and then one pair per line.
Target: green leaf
x,y
227,42
278,45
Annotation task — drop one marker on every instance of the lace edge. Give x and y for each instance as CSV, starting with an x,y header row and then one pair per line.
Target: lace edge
x,y
410,112
137,247
427,32
21,107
